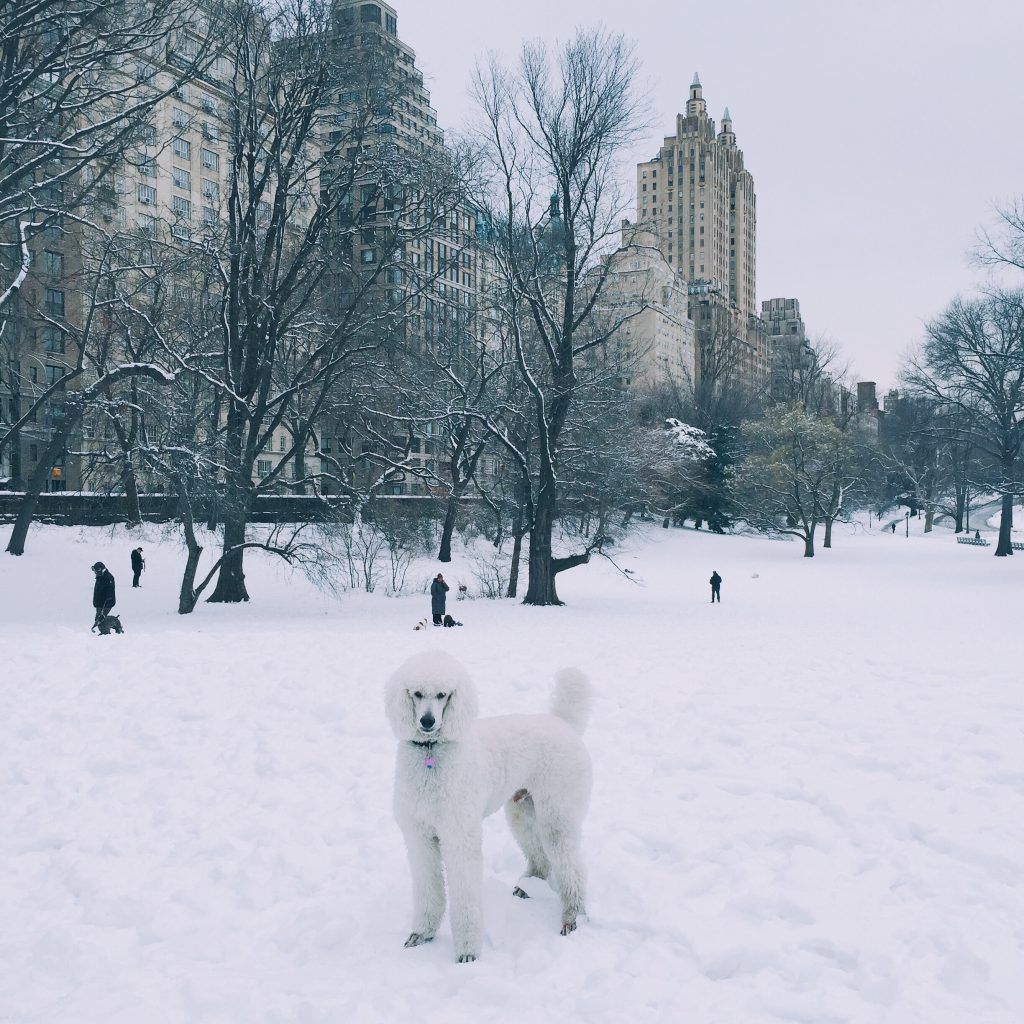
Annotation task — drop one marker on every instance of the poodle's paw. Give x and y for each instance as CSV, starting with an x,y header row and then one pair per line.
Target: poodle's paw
x,y
568,927
465,958
521,893
417,939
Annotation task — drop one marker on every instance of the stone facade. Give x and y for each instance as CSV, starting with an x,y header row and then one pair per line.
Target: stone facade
x,y
654,345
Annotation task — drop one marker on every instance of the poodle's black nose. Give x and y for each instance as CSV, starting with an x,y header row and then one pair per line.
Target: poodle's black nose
x,y
427,722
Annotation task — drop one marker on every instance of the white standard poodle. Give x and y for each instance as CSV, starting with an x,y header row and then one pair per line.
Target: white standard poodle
x,y
452,770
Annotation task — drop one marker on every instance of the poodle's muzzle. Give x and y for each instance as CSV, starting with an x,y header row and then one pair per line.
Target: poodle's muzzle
x,y
428,710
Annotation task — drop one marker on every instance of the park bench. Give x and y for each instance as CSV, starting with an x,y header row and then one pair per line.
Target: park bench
x,y
978,542
1017,545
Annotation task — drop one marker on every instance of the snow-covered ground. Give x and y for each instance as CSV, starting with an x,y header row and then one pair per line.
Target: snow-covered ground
x,y
808,804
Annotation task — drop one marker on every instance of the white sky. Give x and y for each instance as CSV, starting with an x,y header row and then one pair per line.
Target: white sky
x,y
879,134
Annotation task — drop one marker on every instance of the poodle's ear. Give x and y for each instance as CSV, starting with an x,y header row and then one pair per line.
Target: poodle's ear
x,y
398,707
461,709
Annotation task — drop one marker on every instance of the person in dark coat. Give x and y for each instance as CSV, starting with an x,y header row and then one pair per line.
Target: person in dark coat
x,y
138,564
716,587
103,593
438,590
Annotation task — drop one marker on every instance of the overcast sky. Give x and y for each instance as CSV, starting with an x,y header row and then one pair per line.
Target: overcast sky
x,y
879,134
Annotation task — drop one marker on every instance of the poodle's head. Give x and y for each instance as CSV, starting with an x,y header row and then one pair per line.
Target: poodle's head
x,y
430,697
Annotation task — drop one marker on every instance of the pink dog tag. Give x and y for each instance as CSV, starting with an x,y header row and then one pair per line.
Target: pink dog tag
x,y
429,760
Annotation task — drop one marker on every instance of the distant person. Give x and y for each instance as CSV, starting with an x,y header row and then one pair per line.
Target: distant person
x,y
716,587
977,534
438,590
138,565
103,593
894,526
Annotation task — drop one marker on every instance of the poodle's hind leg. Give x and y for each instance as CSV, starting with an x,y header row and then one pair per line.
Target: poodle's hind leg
x,y
522,821
561,841
427,885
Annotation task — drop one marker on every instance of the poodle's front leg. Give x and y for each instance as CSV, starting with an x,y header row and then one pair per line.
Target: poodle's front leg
x,y
463,864
427,884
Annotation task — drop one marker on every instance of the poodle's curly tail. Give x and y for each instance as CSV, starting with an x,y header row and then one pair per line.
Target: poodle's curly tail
x,y
572,698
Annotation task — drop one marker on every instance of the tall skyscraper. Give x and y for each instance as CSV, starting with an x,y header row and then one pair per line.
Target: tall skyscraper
x,y
699,198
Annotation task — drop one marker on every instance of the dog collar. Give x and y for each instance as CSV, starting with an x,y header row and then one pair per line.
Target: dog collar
x,y
428,760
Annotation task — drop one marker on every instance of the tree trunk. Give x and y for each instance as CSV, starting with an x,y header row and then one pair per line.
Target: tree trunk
x,y
1005,545
451,512
541,588
230,587
33,488
187,596
513,573
809,543
131,493
828,532
958,510
929,518
517,551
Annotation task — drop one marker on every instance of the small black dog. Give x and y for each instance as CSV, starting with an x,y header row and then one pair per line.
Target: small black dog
x,y
449,622
106,624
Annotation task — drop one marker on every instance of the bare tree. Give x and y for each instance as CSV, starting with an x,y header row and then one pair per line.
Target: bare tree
x,y
78,81
972,362
557,125
305,186
116,292
796,475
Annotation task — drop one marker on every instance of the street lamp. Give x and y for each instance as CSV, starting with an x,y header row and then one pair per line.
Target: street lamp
x,y
908,522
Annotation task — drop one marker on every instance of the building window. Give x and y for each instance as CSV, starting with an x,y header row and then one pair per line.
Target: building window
x,y
146,194
54,374
147,168
182,148
54,302
179,118
53,339
367,256
53,263
282,444
263,467
182,207
211,161
181,178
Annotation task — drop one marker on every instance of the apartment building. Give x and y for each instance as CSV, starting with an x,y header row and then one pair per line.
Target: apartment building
x,y
39,347
654,346
698,197
437,281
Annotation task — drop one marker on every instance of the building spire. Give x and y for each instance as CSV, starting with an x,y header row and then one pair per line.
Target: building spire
x,y
726,135
695,105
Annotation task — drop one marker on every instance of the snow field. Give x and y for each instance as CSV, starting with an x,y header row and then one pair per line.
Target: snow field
x,y
808,801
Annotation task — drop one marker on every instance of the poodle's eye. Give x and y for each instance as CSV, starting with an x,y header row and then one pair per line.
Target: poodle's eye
x,y
440,696
418,695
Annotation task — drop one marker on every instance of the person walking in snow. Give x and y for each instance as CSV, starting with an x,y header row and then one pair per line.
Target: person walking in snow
x,y
138,564
438,590
103,592
716,587
894,526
